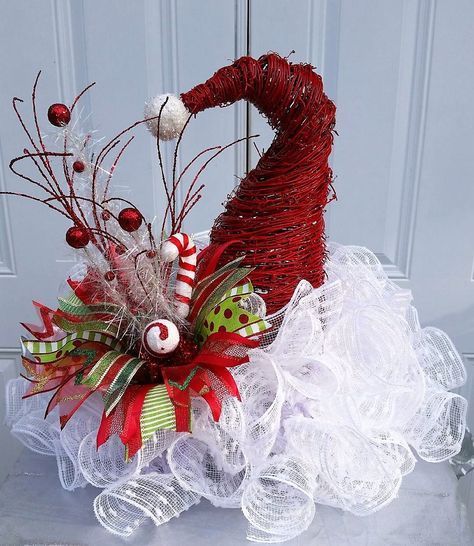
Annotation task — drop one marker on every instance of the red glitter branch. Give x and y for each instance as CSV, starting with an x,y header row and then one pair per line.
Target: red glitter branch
x,y
79,97
69,203
73,206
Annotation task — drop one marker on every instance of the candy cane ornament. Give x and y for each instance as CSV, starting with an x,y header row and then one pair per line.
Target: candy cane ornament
x,y
181,244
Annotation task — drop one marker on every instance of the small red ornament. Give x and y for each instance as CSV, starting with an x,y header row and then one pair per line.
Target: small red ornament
x,y
77,237
151,254
130,219
78,166
59,115
105,215
109,276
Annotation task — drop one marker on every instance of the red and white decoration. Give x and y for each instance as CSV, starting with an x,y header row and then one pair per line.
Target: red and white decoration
x,y
332,405
160,337
181,245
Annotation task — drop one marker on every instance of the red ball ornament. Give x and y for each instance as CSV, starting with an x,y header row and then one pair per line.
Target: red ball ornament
x,y
78,166
130,219
77,237
109,276
105,215
59,115
151,254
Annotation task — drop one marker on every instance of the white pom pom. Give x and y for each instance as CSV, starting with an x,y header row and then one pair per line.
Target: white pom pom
x,y
173,116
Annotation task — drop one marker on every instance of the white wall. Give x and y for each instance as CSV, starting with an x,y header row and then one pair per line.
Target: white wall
x,y
400,73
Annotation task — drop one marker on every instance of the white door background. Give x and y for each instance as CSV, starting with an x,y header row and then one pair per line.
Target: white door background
x,y
400,73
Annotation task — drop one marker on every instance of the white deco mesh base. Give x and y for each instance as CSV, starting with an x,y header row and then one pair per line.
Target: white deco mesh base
x,y
333,408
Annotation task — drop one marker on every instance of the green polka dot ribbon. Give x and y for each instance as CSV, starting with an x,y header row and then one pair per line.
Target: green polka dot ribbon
x,y
229,316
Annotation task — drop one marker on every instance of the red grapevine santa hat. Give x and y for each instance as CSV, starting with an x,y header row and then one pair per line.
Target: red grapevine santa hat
x,y
276,213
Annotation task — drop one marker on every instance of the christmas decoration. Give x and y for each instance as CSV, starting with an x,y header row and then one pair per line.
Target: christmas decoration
x,y
78,166
276,213
183,246
109,276
160,337
77,237
59,114
172,113
130,219
264,369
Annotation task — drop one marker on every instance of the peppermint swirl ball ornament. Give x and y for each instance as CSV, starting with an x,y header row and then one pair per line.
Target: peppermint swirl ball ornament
x,y
160,337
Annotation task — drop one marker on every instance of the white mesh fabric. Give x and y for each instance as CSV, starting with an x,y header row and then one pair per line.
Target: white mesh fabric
x,y
67,445
279,502
37,433
437,429
16,406
334,404
122,508
193,464
439,359
105,465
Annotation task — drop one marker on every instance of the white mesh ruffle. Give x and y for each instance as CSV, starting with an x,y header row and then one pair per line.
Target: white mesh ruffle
x,y
334,406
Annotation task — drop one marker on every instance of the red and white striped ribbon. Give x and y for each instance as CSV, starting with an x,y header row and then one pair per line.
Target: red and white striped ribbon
x,y
181,244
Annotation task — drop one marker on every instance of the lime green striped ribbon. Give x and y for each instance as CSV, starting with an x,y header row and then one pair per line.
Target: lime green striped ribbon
x,y
157,412
72,299
254,328
241,290
47,351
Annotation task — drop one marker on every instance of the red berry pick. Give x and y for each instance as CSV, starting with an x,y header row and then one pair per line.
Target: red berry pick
x,y
59,115
77,237
130,219
109,276
105,214
78,166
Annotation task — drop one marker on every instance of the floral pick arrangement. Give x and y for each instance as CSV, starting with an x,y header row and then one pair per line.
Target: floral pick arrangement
x,y
264,368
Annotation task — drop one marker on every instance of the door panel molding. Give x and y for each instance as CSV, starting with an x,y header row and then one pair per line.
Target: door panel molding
x,y
71,68
11,448
323,41
7,256
408,136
